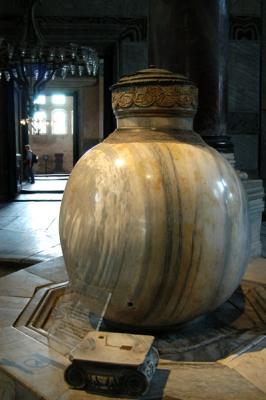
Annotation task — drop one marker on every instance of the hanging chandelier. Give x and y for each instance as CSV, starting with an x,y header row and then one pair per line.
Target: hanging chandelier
x,y
30,62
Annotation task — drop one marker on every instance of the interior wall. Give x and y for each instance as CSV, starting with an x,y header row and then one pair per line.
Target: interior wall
x,y
89,120
243,67
49,145
263,97
89,116
4,173
244,74
133,57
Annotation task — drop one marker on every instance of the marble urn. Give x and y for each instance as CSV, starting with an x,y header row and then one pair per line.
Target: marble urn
x,y
152,214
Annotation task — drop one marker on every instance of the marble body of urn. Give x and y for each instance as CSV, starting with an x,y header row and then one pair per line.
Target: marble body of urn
x,y
152,214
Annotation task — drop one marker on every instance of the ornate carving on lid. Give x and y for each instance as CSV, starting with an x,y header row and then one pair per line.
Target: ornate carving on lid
x,y
154,88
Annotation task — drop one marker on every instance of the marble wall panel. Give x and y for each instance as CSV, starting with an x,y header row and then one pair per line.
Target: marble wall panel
x,y
244,76
242,123
245,27
246,152
49,145
263,100
263,80
263,143
134,56
245,7
89,112
263,65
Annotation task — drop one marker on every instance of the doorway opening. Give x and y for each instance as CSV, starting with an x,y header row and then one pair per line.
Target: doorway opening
x,y
51,137
51,133
67,123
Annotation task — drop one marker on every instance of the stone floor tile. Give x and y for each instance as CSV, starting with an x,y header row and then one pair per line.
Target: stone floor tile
x,y
5,220
52,270
21,284
48,254
29,230
46,184
32,364
39,197
10,309
21,245
34,216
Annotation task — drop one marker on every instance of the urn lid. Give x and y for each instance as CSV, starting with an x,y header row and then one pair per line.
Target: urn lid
x,y
154,89
152,76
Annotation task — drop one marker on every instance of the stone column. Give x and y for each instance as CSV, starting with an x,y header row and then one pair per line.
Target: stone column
x,y
168,35
8,182
191,37
208,63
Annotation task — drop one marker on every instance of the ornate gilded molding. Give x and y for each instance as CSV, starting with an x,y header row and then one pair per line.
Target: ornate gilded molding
x,y
160,96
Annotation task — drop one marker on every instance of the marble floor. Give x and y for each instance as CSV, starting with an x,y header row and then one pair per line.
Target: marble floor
x,y
31,368
46,184
29,226
45,188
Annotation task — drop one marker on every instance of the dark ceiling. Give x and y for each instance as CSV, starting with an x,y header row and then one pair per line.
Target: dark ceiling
x,y
121,8
98,23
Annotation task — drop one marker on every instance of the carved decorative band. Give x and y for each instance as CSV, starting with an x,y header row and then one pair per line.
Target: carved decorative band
x,y
160,96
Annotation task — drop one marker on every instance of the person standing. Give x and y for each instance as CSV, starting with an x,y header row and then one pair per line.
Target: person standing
x,y
29,164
